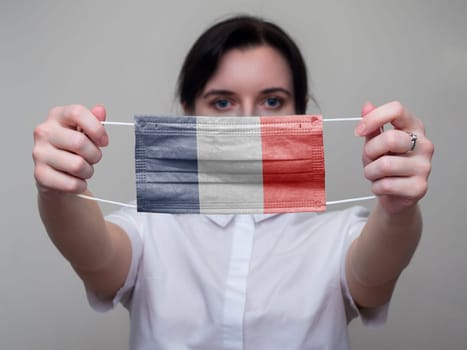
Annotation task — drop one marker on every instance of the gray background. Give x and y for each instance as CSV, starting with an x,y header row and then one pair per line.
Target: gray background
x,y
127,56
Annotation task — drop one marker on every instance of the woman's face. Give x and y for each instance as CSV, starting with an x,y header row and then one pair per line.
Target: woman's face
x,y
249,82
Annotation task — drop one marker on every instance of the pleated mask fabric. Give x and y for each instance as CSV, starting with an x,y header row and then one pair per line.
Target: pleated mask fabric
x,y
229,165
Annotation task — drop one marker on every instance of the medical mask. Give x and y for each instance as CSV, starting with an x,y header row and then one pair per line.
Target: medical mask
x,y
230,165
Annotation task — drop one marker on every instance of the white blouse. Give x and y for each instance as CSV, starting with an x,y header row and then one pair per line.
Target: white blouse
x,y
239,281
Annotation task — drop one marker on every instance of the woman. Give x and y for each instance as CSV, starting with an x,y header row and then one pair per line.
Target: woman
x,y
282,281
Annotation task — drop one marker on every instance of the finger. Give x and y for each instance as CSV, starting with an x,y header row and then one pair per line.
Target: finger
x,y
390,166
48,177
393,113
76,142
66,162
79,116
101,114
390,141
367,108
413,187
99,111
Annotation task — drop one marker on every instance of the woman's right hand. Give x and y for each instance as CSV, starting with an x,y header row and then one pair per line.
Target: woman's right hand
x,y
66,146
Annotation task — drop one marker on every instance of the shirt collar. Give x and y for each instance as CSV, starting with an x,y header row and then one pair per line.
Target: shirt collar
x,y
224,220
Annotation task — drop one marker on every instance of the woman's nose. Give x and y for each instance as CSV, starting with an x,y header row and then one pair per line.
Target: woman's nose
x,y
248,109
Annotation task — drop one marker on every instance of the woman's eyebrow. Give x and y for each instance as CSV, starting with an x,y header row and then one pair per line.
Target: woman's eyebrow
x,y
223,92
273,90
218,92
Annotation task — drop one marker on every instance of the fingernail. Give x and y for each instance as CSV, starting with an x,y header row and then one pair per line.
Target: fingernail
x,y
104,140
360,130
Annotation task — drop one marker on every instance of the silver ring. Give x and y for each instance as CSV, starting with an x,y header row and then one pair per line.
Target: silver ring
x,y
413,141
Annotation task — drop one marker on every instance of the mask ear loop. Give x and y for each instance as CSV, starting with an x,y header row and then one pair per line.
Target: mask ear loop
x,y
342,201
121,204
95,199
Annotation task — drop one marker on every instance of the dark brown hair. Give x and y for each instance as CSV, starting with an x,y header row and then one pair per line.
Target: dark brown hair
x,y
238,32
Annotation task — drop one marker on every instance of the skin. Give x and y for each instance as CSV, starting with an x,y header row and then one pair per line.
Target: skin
x,y
248,82
252,81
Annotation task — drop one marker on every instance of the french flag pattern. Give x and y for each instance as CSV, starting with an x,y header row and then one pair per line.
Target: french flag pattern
x,y
229,165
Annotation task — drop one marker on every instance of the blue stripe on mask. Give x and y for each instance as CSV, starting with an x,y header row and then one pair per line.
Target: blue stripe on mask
x,y
166,165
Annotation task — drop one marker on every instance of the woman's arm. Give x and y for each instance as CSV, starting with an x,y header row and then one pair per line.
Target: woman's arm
x,y
66,146
399,178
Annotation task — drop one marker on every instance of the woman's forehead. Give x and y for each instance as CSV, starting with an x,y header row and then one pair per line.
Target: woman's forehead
x,y
253,67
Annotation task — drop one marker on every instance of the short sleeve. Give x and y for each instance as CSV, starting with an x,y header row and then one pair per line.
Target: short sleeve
x,y
371,317
130,221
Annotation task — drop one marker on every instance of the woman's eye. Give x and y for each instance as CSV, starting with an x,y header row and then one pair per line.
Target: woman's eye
x,y
273,102
221,104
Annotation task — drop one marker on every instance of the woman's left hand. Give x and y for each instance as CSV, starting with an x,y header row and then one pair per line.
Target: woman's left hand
x,y
397,161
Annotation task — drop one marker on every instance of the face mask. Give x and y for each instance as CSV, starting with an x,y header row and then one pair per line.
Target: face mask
x,y
229,164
